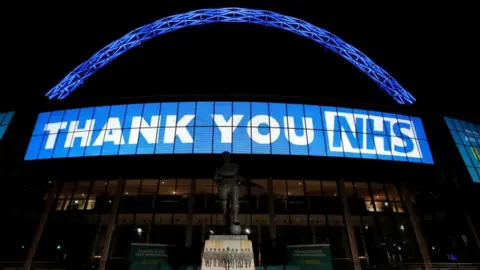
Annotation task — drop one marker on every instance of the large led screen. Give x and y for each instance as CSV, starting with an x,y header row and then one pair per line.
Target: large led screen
x,y
237,127
467,137
5,119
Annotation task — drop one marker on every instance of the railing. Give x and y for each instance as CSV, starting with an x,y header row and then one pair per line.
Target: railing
x,y
422,266
124,265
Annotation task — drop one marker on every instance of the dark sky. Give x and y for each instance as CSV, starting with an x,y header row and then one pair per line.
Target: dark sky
x,y
431,50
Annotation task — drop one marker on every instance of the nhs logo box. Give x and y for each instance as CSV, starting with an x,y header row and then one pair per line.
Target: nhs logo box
x,y
237,127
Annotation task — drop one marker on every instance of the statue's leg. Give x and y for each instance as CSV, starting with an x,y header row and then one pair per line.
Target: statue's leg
x,y
235,205
223,194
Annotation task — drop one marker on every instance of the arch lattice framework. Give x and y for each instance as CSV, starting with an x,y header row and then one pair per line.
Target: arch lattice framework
x,y
230,15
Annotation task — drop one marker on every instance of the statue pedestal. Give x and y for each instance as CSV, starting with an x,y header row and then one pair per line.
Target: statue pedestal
x,y
228,252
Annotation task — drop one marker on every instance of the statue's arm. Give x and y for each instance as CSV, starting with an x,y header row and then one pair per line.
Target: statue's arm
x,y
216,177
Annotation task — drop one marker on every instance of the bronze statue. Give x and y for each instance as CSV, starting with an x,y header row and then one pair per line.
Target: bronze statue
x,y
228,182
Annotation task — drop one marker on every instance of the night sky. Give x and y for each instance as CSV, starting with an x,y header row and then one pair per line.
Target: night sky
x,y
431,50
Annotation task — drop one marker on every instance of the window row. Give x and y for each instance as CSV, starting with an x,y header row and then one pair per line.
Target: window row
x,y
468,128
172,196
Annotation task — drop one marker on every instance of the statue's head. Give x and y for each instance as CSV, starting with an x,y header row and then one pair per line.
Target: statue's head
x,y
226,156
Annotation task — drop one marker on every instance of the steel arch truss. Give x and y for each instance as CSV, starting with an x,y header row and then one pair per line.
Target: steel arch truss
x,y
230,15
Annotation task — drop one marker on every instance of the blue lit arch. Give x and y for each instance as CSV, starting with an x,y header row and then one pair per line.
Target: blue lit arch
x,y
230,15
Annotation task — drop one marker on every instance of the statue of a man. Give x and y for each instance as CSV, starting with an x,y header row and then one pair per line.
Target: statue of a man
x,y
228,181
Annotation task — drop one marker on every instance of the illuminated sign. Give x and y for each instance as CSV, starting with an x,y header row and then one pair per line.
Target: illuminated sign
x,y
237,127
467,137
5,119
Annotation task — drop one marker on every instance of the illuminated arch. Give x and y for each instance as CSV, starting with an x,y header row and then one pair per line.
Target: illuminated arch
x,y
230,15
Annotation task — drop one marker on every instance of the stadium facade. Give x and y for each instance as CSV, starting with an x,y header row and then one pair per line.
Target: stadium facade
x,y
383,186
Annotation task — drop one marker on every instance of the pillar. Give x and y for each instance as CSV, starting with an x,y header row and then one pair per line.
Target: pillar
x,y
472,229
96,239
111,224
407,199
349,226
52,192
271,210
191,209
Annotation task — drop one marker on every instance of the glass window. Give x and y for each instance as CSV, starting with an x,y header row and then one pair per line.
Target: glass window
x,y
297,202
97,198
149,187
132,187
79,200
258,189
183,187
330,188
65,196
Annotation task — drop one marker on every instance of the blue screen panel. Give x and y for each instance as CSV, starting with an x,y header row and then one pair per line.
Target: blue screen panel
x,y
239,127
467,138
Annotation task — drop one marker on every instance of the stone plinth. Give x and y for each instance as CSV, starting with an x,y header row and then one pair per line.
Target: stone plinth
x,y
228,252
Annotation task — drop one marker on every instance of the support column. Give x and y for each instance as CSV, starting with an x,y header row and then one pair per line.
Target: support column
x,y
472,229
407,199
271,210
348,225
191,208
52,192
111,224
96,239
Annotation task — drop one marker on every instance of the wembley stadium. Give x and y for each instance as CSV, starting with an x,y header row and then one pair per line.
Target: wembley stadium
x,y
374,180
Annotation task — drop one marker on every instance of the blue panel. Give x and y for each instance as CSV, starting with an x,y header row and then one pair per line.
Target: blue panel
x,y
33,148
223,130
242,108
295,111
7,119
99,131
117,112
328,116
56,117
85,123
128,148
457,125
261,132
278,111
317,147
203,140
60,150
2,131
218,145
147,139
2,115
169,112
185,130
474,174
281,146
299,140
313,112
47,152
70,115
225,109
163,147
242,144
63,139
450,124
132,111
204,114
260,128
